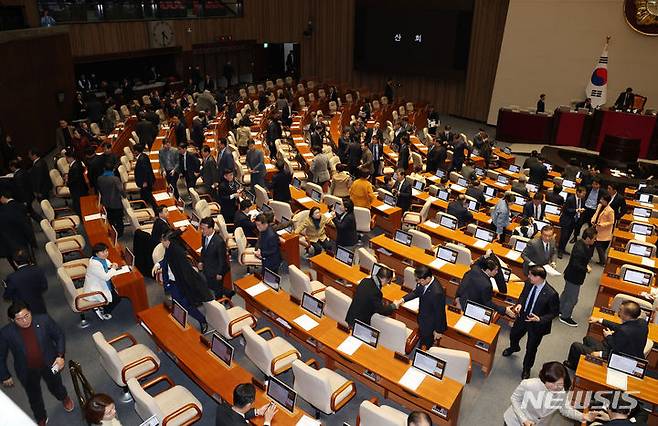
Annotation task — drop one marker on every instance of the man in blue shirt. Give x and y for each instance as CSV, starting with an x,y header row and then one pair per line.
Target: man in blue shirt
x,y
591,201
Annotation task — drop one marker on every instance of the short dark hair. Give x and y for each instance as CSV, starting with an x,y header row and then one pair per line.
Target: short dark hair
x,y
108,165
182,145
557,188
251,142
205,148
160,209
363,173
107,145
243,394
489,264
632,309
606,197
384,273
581,189
416,417
538,271
223,141
262,218
245,204
422,271
548,228
208,221
97,248
139,148
15,308
94,409
589,233
348,205
539,196
21,257
553,371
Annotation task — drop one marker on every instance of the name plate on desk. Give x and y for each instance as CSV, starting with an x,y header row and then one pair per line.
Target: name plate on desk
x,y
648,262
304,200
161,196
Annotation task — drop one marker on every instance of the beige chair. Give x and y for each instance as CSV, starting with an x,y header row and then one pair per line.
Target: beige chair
x,y
137,224
364,220
129,167
246,255
281,210
650,247
336,304
458,363
323,388
142,211
59,189
136,360
421,239
130,187
417,161
371,414
621,298
301,283
365,259
76,269
229,240
79,301
60,223
175,406
463,254
62,165
204,209
394,334
647,347
228,322
310,186
261,196
272,356
417,213
65,245
409,279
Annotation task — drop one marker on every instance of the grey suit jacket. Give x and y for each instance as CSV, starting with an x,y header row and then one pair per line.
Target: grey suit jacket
x,y
320,168
534,252
111,191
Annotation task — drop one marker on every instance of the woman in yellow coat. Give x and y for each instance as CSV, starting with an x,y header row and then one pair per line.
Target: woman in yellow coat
x,y
603,220
313,229
361,192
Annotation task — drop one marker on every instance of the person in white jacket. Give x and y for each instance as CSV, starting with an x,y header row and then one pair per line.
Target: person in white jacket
x,y
99,278
535,400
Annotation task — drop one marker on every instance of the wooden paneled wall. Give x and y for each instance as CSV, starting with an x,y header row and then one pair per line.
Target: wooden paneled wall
x,y
327,54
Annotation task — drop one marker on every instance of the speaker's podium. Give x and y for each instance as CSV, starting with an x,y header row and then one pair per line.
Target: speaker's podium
x,y
622,136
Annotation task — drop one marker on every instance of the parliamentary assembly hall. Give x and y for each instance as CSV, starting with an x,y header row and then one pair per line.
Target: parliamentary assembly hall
x,y
329,212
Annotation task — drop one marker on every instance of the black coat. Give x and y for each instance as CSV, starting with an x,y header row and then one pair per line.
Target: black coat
x,y
476,287
538,173
28,284
354,153
629,337
281,186
226,416
346,234
403,194
243,221
95,166
403,157
268,243
436,158
529,210
181,134
226,162
146,132
568,215
160,228
213,256
196,134
618,204
431,308
193,165
554,198
41,183
576,269
51,341
188,280
210,173
229,205
16,231
477,193
22,187
547,307
76,180
367,301
457,209
144,171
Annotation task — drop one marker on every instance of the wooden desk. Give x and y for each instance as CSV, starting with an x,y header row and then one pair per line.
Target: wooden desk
x,y
590,376
375,367
620,238
617,258
193,357
596,331
609,287
131,284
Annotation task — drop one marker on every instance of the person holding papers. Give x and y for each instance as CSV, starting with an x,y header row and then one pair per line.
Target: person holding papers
x,y
99,278
476,287
228,194
457,208
574,275
629,337
540,251
368,299
431,307
538,305
603,220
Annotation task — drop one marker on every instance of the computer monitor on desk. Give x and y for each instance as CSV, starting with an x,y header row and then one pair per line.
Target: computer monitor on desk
x,y
627,364
642,212
446,254
365,333
484,234
642,229
462,182
639,249
390,200
403,238
507,273
114,237
344,255
448,222
315,195
440,173
179,314
514,168
502,179
418,185
429,364
281,394
297,183
443,195
489,191
637,277
472,205
221,349
567,183
552,209
128,257
478,312
312,304
271,279
376,267
519,245
539,224
645,198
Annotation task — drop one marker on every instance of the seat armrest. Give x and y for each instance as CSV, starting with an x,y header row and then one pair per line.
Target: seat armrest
x,y
237,320
137,362
121,337
313,362
141,203
92,306
73,226
281,357
181,410
335,407
265,330
412,340
225,299
163,378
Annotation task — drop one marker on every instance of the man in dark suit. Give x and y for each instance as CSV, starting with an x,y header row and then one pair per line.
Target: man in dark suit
x,y
268,249
404,156
209,172
538,173
144,177
281,183
538,305
591,202
27,284
617,202
402,189
111,192
446,135
39,176
629,337
179,130
368,298
146,131
354,153
457,208
475,190
436,156
553,196
243,409
75,180
536,208
458,155
242,220
476,287
431,307
571,213
37,345
377,150
22,188
625,99
196,133
224,157
16,231
214,262
188,165
574,275
541,103
343,145
274,132
540,251
160,225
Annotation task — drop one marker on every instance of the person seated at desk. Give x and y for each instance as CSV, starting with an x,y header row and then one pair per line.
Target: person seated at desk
x,y
476,287
267,248
518,186
368,298
621,409
476,191
242,410
313,228
361,191
540,251
625,100
587,103
553,196
98,278
243,220
526,228
629,337
535,208
457,208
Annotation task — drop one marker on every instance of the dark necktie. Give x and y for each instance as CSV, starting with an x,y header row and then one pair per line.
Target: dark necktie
x,y
531,301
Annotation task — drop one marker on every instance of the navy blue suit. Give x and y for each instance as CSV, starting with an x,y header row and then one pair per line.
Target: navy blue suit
x,y
268,243
28,284
431,311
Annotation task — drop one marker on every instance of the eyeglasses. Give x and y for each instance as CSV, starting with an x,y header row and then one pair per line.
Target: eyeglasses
x,y
23,317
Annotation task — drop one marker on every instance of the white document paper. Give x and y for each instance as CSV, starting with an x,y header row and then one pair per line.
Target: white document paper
x,y
306,322
257,289
480,244
639,237
307,154
552,271
123,270
431,199
494,285
301,144
181,223
94,217
648,262
640,219
616,379
161,196
307,421
412,378
172,208
431,224
269,166
155,161
465,324
513,255
282,232
437,263
384,207
457,188
304,200
350,345
413,304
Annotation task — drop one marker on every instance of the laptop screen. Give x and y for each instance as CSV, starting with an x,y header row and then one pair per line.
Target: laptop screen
x,y
403,237
472,205
344,255
479,171
645,198
507,150
519,245
507,273
462,182
514,168
221,349
639,249
641,212
376,267
249,195
315,195
490,191
443,195
312,304
429,364
484,234
390,200
444,253
179,313
448,222
539,224
552,209
297,183
531,187
502,179
627,364
271,279
266,208
365,333
278,392
641,229
637,277
566,183
418,185
478,312
439,173
291,226
519,200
